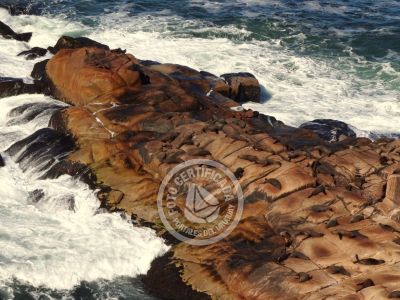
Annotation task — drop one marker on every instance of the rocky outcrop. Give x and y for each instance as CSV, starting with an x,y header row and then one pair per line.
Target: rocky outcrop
x,y
243,87
15,86
2,163
330,130
8,33
66,42
320,219
33,53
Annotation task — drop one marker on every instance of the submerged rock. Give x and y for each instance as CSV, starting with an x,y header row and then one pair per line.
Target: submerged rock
x,y
8,33
244,87
39,70
74,169
330,130
33,53
36,195
163,281
42,81
29,111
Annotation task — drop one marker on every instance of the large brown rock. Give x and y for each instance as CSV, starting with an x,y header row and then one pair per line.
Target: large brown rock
x,y
243,87
8,33
317,223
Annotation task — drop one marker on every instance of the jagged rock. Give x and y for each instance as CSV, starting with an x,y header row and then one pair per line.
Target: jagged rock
x,y
41,78
27,112
41,149
39,70
244,87
67,42
36,195
310,204
163,280
2,163
33,53
330,130
8,33
10,86
15,86
74,169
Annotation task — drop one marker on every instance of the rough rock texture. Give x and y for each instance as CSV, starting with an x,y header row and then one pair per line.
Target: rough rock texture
x,y
243,87
33,53
321,220
66,42
8,33
330,130
15,86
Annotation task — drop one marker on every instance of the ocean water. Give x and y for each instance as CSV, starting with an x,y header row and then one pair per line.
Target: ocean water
x,y
315,59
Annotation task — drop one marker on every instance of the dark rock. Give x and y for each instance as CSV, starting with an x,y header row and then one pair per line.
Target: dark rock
x,y
39,70
164,281
74,169
57,122
42,149
149,62
84,291
15,86
244,87
42,81
2,164
329,130
8,33
10,86
69,202
118,51
36,195
29,111
33,53
66,42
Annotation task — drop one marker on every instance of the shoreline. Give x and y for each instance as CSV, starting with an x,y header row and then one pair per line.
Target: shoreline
x,y
131,142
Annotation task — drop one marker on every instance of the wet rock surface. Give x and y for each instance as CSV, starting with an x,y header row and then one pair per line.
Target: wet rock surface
x,y
15,86
243,87
321,215
8,33
33,53
66,42
42,149
330,130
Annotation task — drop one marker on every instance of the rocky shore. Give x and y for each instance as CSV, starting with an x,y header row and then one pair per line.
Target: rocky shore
x,y
321,217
